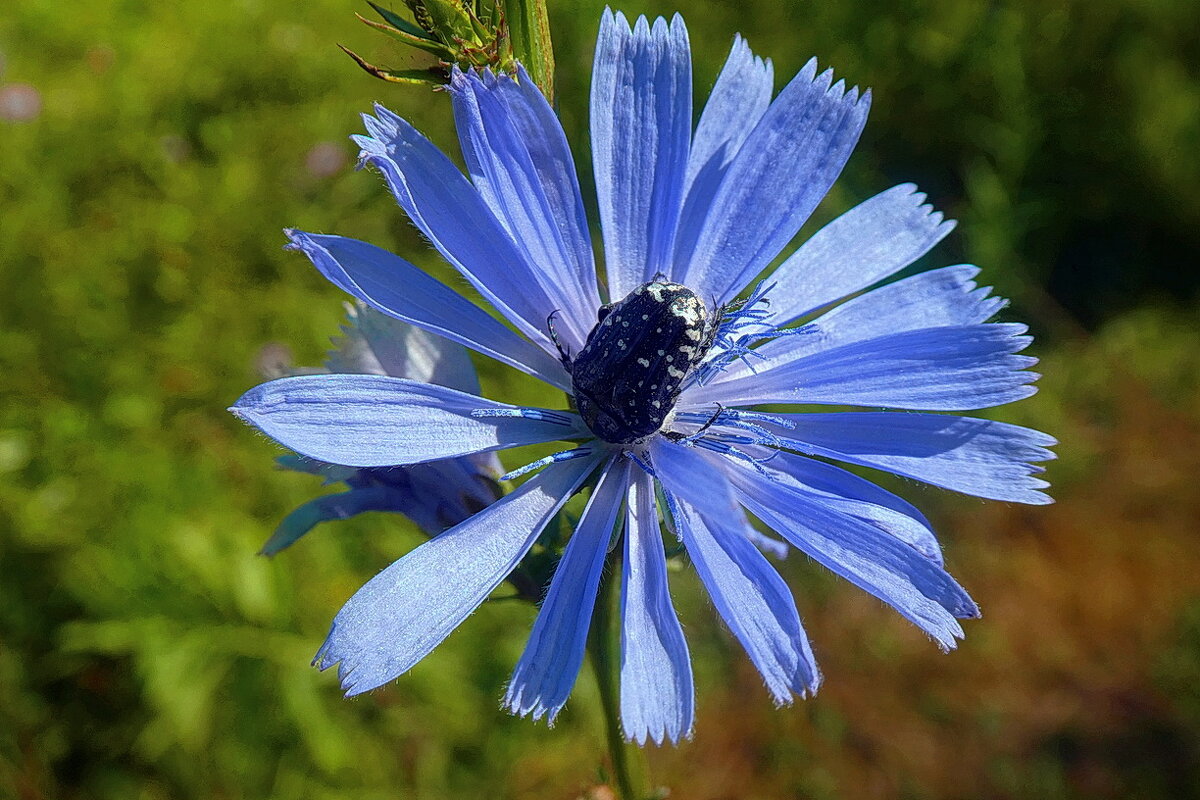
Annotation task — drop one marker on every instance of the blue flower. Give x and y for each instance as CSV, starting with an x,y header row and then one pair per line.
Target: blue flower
x,y
435,495
689,219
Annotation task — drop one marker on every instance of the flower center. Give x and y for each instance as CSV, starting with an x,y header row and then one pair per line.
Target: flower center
x,y
628,375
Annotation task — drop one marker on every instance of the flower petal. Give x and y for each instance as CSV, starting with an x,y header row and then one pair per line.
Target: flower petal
x,y
374,343
404,612
875,239
393,286
847,493
519,161
332,506
379,421
550,664
974,456
860,552
943,369
641,121
444,205
738,100
749,594
778,177
933,299
657,695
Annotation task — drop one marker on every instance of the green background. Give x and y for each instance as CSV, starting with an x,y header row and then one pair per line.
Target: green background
x,y
146,652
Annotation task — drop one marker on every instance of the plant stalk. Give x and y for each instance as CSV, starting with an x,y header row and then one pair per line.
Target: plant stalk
x,y
604,647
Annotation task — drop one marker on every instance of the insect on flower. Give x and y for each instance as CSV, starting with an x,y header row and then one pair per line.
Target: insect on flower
x,y
668,369
631,369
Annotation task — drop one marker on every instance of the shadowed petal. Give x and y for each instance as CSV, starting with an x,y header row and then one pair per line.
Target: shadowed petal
x,y
657,695
783,169
738,100
374,343
860,552
933,299
954,368
974,456
749,594
847,493
379,421
444,205
550,664
641,122
875,239
404,612
330,507
393,286
519,161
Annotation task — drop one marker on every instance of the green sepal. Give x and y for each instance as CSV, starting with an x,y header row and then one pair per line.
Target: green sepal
x,y
421,43
433,76
397,21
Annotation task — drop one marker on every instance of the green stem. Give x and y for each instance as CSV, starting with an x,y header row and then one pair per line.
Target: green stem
x,y
529,29
604,646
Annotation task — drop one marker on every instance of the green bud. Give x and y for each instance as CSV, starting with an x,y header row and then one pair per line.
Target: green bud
x,y
493,34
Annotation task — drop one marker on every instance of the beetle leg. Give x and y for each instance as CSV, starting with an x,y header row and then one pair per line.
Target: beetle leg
x,y
563,355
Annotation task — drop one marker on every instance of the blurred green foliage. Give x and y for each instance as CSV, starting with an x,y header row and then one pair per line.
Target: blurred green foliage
x,y
146,652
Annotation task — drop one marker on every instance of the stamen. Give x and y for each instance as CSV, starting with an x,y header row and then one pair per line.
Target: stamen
x,y
540,414
743,325
645,465
762,417
673,513
565,455
727,450
731,418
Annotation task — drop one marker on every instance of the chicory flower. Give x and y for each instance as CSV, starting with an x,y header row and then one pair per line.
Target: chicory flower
x,y
665,366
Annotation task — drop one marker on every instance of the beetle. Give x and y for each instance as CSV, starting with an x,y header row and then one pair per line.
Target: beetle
x,y
631,369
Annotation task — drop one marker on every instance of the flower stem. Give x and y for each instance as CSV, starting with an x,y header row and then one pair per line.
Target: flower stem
x,y
604,646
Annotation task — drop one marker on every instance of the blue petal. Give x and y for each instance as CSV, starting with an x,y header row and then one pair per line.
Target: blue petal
x,y
975,456
331,507
847,493
768,544
378,421
738,100
749,594
943,369
404,612
933,299
444,205
657,695
778,177
440,494
550,664
875,239
860,552
641,121
374,343
391,285
519,161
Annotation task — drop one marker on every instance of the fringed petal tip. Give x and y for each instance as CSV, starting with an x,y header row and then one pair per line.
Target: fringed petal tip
x,y
353,680
644,735
533,708
466,80
642,27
